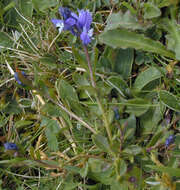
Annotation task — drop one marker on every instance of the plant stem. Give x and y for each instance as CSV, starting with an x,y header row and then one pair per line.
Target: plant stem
x,y
93,83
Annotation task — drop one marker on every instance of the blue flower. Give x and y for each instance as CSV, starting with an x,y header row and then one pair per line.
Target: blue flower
x,y
17,77
77,25
65,12
169,140
10,146
84,20
69,21
116,113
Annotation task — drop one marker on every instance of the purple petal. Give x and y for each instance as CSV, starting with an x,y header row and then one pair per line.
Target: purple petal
x,y
70,22
84,20
57,22
17,78
10,146
65,12
85,38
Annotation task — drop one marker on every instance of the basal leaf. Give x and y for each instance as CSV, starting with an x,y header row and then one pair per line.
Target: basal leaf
x,y
146,77
122,38
170,100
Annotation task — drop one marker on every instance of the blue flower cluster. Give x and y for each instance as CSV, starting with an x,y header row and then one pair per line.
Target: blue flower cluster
x,y
10,146
169,140
17,77
78,25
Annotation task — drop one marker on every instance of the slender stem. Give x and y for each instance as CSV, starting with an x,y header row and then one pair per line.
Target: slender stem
x,y
93,83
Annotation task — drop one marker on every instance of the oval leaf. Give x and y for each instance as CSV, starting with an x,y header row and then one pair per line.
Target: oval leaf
x,y
146,77
169,100
101,142
122,38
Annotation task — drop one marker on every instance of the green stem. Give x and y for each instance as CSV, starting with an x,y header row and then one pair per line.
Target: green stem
x,y
93,83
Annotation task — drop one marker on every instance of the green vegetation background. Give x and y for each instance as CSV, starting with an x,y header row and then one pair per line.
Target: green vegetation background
x,y
71,135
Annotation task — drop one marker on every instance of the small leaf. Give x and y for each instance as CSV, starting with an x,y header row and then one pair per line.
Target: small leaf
x,y
84,171
170,100
122,167
23,123
122,38
130,128
101,142
119,84
66,91
154,139
146,77
151,11
133,149
51,110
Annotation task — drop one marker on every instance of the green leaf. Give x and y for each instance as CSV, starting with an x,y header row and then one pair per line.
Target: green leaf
x,y
137,106
123,62
66,91
171,171
51,110
154,139
51,130
170,100
80,57
69,95
84,171
133,149
119,84
151,11
130,128
42,5
122,167
26,7
101,142
12,107
122,38
49,61
5,42
146,77
149,121
23,123
123,20
173,37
